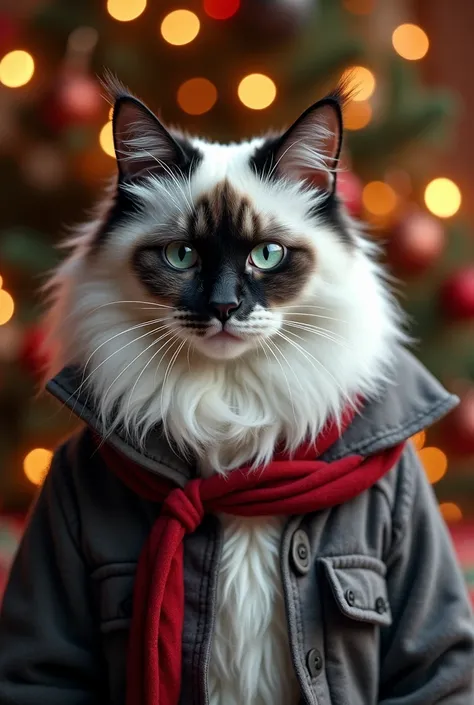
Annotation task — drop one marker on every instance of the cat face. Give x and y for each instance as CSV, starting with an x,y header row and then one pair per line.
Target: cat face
x,y
224,262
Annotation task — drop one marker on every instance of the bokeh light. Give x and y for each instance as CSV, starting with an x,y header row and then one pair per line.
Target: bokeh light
x,y
357,114
443,197
419,439
197,96
221,9
7,306
16,68
379,198
180,27
435,463
359,7
410,42
36,465
125,10
106,139
1,282
257,91
360,82
451,512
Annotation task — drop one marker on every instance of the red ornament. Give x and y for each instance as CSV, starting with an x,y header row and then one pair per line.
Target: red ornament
x,y
33,353
75,100
458,427
416,244
221,9
349,190
457,294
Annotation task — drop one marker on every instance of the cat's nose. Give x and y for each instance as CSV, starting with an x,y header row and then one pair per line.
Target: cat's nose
x,y
223,311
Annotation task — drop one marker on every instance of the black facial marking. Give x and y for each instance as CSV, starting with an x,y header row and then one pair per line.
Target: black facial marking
x,y
123,203
263,159
223,229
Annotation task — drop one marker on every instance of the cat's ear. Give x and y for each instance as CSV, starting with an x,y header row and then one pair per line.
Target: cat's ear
x,y
142,144
310,148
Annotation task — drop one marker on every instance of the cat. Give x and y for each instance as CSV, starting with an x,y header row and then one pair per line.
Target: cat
x,y
223,291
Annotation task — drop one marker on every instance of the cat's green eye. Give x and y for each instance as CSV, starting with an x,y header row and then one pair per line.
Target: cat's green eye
x,y
268,255
181,256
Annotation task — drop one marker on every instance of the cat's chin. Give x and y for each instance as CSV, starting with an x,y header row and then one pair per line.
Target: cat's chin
x,y
223,346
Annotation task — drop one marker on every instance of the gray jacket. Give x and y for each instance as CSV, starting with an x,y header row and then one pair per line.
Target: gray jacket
x,y
376,606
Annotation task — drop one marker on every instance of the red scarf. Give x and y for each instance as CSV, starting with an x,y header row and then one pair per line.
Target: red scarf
x,y
286,486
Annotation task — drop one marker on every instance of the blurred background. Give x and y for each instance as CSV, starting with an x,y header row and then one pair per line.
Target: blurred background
x,y
229,69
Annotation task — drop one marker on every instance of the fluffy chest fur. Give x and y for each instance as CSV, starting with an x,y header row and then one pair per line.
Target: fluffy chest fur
x,y
250,658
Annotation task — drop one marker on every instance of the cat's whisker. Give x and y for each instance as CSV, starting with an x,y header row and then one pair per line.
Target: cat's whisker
x,y
310,357
321,308
313,326
143,370
174,357
317,315
290,393
104,397
152,304
130,342
321,332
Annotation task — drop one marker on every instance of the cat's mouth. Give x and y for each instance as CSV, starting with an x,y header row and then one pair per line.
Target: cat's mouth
x,y
224,336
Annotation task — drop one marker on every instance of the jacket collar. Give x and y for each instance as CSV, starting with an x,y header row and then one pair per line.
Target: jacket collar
x,y
413,402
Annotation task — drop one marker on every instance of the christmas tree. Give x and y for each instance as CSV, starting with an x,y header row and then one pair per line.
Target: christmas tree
x,y
227,69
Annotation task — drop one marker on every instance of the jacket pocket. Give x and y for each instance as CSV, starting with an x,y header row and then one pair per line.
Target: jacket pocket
x,y
114,589
359,587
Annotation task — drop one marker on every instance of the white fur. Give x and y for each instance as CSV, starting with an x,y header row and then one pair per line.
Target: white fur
x,y
229,404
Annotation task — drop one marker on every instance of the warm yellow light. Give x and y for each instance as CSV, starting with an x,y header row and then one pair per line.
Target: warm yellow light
x,y
197,96
379,198
106,139
359,7
410,41
257,91
443,197
125,10
36,465
180,27
419,439
1,282
357,114
360,81
7,306
435,463
16,68
111,113
451,512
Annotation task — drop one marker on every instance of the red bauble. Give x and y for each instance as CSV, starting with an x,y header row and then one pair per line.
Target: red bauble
x,y
33,354
75,100
457,295
416,244
458,428
349,190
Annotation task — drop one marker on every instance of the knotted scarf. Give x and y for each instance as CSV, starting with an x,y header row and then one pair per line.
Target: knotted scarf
x,y
286,486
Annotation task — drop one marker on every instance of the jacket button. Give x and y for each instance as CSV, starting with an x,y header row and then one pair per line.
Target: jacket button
x,y
314,662
380,605
350,597
301,552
